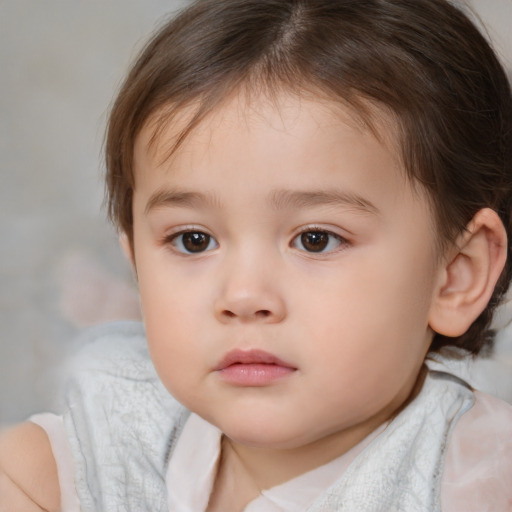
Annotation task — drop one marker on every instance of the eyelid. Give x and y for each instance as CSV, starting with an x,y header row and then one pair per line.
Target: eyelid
x,y
343,240
331,230
168,232
169,238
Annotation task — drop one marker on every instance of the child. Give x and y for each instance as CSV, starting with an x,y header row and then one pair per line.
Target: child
x,y
315,195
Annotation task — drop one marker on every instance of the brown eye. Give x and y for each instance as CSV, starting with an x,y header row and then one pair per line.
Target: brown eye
x,y
317,241
314,241
192,242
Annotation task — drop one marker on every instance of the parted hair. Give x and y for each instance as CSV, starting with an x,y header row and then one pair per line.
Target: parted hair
x,y
424,61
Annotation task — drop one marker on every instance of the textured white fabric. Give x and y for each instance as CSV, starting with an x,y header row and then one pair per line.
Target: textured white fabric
x,y
122,425
477,475
120,422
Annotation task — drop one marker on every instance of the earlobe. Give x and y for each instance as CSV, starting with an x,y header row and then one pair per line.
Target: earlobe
x,y
468,278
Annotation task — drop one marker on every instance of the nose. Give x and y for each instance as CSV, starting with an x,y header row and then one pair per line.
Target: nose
x,y
249,293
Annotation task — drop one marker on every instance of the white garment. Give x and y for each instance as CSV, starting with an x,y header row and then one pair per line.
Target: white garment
x,y
198,450
449,446
477,475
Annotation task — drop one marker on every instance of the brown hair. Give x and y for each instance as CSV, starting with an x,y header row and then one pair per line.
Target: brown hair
x,y
422,60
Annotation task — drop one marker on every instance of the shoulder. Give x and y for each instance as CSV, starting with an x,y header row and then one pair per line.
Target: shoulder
x,y
112,373
113,385
478,466
28,472
103,346
119,420
486,428
110,358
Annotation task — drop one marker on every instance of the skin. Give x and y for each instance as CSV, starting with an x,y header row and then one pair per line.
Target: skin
x,y
28,473
352,320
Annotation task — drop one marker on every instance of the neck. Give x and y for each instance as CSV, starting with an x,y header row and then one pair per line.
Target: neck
x,y
267,467
270,467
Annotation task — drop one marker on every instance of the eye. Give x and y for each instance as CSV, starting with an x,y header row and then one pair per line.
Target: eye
x,y
318,241
193,242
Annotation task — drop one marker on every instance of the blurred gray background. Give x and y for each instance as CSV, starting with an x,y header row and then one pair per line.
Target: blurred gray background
x,y
61,62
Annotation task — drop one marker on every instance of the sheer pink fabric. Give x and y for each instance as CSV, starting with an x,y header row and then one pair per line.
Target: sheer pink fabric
x,y
478,466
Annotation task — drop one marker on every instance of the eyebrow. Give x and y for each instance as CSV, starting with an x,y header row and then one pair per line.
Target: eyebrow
x,y
283,199
278,200
181,198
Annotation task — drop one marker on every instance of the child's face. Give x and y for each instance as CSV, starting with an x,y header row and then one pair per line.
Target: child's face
x,y
291,232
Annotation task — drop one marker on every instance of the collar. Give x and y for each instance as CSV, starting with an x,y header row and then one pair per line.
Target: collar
x,y
193,466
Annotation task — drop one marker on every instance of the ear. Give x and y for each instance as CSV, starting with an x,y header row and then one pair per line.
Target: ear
x,y
126,246
468,277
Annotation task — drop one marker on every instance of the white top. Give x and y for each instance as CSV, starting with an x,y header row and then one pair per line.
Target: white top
x,y
477,475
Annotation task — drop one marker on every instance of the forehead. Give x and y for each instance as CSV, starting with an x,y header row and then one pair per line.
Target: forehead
x,y
168,130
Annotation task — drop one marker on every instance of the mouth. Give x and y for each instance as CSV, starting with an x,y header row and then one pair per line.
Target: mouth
x,y
252,368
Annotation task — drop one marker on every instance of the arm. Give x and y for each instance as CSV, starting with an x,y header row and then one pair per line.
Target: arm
x,y
28,472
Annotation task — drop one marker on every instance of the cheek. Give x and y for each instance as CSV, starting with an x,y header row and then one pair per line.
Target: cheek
x,y
170,316
168,295
174,358
370,312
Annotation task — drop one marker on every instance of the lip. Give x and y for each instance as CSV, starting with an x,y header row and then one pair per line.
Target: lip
x,y
252,368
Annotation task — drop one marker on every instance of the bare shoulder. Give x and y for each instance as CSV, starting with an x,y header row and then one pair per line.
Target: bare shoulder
x,y
28,472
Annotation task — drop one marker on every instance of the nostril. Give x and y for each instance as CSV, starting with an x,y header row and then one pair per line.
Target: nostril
x,y
262,313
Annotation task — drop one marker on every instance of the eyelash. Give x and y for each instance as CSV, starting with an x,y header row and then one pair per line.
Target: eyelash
x,y
204,241
339,240
176,239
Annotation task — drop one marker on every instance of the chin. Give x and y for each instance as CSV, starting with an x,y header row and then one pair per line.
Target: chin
x,y
265,436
